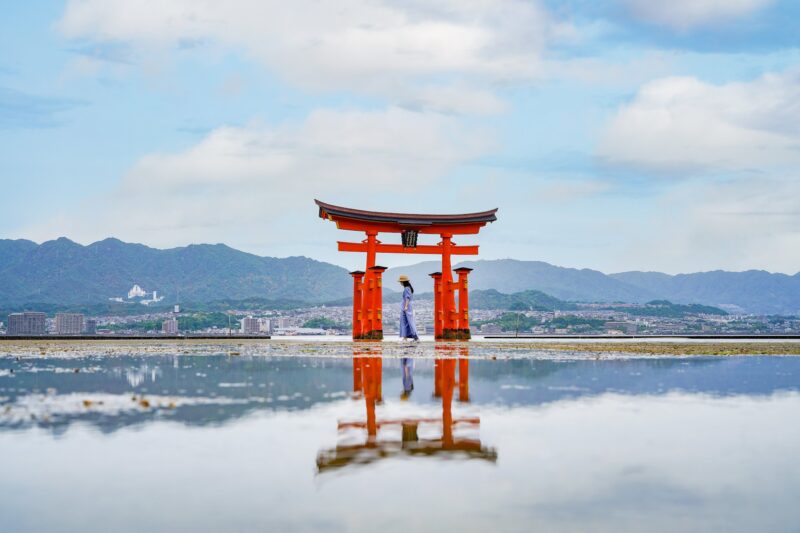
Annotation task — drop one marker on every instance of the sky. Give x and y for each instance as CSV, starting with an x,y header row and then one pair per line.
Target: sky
x,y
611,134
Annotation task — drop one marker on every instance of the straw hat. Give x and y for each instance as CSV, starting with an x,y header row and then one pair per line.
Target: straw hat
x,y
402,278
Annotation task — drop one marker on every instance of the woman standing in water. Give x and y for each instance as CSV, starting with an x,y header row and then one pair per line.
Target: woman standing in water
x,y
408,328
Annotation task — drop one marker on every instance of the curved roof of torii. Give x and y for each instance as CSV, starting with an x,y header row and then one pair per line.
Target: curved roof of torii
x,y
406,219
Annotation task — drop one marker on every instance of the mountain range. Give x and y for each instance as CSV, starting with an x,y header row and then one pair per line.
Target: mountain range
x,y
64,272
752,291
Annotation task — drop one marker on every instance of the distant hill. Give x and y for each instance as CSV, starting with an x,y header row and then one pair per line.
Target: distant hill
x,y
667,309
509,276
753,291
519,301
12,250
64,272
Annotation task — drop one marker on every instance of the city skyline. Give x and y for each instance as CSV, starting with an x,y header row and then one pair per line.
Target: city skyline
x,y
621,135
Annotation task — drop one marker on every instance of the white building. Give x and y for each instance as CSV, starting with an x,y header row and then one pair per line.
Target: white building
x,y
136,292
490,329
250,326
69,323
170,326
28,323
265,325
155,299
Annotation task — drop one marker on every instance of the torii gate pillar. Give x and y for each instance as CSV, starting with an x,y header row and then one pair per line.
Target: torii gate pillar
x,y
437,305
463,303
373,330
358,288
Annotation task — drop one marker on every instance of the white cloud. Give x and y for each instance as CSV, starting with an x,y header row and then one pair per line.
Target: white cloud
x,y
455,98
253,186
747,223
563,191
685,14
682,123
605,72
741,144
380,47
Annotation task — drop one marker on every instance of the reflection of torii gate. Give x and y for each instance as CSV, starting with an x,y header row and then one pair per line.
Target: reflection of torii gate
x,y
367,382
449,323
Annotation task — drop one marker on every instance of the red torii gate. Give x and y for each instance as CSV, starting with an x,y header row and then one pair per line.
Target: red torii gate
x,y
449,324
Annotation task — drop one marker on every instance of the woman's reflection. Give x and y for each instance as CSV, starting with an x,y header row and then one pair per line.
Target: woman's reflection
x,y
407,365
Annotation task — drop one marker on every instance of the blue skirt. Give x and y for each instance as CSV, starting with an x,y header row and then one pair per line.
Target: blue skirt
x,y
408,328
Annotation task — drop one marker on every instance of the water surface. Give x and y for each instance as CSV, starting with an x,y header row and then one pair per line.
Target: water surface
x,y
124,441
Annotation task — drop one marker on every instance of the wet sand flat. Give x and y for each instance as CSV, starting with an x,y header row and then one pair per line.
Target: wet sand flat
x,y
340,347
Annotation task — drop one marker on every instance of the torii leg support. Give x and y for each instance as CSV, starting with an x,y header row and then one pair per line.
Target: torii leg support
x,y
375,325
358,299
358,379
437,304
449,318
368,288
366,306
372,386
463,374
463,332
437,378
448,384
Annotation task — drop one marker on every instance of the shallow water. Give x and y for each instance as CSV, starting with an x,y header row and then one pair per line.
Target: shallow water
x,y
217,438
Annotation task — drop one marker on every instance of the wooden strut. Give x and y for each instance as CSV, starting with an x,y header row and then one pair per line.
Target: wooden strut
x,y
432,249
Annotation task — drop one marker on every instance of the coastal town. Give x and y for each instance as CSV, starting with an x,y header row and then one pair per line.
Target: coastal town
x,y
660,318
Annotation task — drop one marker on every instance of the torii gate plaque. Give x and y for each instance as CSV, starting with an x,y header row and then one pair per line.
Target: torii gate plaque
x,y
449,323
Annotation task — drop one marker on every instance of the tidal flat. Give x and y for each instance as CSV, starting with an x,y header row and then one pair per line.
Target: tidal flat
x,y
340,436
340,347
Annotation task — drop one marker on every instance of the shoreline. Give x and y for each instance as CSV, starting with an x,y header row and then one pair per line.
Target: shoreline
x,y
479,348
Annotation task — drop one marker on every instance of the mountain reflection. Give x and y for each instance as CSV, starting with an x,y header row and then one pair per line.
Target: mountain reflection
x,y
115,390
454,436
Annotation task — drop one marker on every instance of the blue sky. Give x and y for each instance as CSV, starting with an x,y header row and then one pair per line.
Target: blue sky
x,y
616,135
